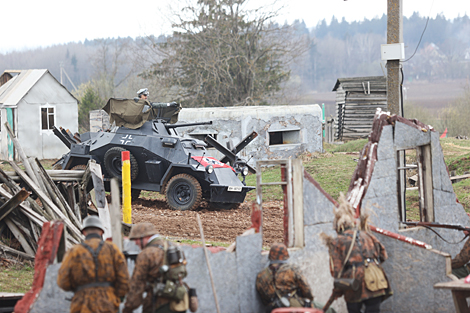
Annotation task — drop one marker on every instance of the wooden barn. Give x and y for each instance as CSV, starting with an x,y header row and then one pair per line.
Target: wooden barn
x,y
357,98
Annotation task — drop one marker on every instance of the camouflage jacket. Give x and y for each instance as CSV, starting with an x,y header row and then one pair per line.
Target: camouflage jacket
x,y
366,246
146,272
78,269
285,278
463,257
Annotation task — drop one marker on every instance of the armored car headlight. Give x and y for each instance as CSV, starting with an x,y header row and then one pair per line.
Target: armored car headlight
x,y
209,169
245,171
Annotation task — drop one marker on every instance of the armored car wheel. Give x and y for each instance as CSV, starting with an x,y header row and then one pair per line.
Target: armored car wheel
x,y
113,163
183,192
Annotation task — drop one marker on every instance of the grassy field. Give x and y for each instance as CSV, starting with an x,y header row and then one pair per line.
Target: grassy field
x,y
16,278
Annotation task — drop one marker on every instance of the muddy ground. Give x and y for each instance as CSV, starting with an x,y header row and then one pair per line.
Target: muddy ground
x,y
221,226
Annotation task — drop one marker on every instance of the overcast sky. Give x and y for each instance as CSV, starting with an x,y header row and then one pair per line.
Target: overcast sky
x,y
36,23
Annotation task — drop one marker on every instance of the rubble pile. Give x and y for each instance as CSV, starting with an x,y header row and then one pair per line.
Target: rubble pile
x,y
33,196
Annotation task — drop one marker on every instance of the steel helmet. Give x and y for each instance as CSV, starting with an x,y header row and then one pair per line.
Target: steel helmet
x,y
278,252
92,221
142,230
143,91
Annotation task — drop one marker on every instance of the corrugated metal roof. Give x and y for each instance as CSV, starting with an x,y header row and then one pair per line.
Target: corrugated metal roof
x,y
16,88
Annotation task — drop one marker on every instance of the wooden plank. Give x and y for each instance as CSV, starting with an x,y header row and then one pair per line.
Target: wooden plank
x,y
15,252
115,214
427,182
13,202
25,230
21,153
19,236
26,177
35,217
298,172
102,204
57,195
44,199
39,179
290,204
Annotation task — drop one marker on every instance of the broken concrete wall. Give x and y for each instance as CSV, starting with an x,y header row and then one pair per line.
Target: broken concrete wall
x,y
298,127
412,270
234,278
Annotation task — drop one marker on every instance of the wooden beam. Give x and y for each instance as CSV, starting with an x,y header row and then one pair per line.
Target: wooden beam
x,y
100,195
23,156
45,200
298,174
13,202
15,188
115,214
20,237
15,252
56,195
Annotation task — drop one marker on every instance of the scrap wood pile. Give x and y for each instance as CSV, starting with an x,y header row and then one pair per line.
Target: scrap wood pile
x,y
31,197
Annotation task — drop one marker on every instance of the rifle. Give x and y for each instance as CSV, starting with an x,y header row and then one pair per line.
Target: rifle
x,y
437,225
330,301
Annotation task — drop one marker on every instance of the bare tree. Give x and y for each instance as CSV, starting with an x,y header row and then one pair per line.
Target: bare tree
x,y
223,54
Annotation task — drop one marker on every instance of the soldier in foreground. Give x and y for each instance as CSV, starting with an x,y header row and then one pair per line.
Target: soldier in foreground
x,y
159,271
281,284
355,262
95,270
460,262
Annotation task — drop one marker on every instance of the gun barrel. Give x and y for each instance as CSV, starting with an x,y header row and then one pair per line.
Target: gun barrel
x,y
188,124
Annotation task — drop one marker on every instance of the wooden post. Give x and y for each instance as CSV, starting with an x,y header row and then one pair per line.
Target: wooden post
x,y
102,204
23,156
208,263
13,202
19,236
290,204
298,174
115,214
394,35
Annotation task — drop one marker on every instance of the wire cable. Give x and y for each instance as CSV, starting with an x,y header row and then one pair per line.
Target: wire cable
x,y
422,34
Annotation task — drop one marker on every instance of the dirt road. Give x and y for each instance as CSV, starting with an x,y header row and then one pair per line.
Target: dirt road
x,y
219,226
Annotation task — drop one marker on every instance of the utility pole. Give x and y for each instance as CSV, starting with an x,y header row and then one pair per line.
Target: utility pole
x,y
394,35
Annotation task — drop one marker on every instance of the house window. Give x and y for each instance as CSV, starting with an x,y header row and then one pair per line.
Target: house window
x,y
47,118
285,137
415,190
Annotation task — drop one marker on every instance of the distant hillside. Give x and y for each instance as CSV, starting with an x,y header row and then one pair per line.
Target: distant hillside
x,y
339,49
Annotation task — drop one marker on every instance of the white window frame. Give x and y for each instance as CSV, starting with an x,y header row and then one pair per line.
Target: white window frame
x,y
47,106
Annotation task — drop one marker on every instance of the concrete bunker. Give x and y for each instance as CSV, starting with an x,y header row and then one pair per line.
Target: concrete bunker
x,y
413,266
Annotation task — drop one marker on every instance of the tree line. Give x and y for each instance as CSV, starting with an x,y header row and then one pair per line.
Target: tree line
x,y
221,54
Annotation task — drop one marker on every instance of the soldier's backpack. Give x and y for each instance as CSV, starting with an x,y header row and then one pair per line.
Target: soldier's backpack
x,y
171,285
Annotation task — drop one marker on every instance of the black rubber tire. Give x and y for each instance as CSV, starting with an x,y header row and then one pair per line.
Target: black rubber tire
x,y
223,205
112,163
183,192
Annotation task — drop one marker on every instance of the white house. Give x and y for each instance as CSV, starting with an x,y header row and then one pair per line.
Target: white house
x,y
33,101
